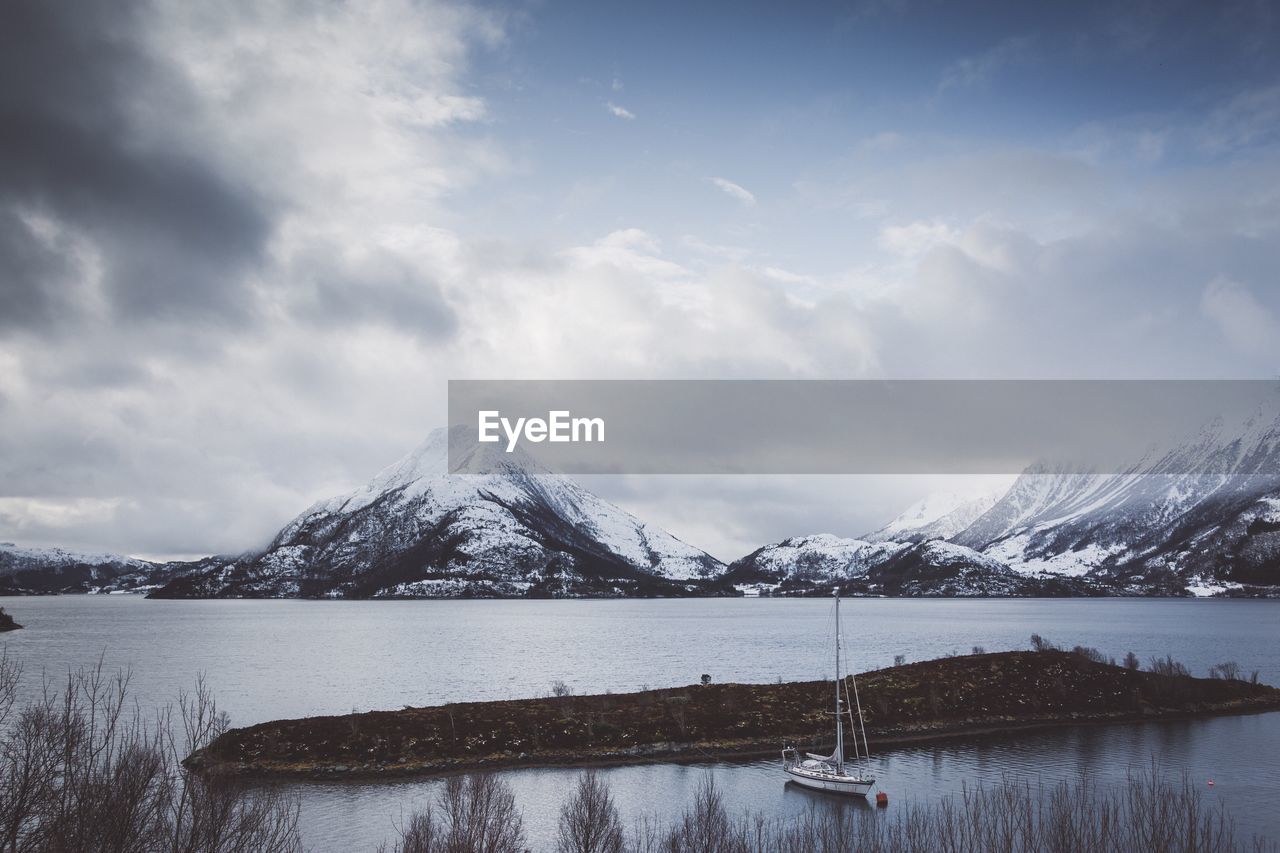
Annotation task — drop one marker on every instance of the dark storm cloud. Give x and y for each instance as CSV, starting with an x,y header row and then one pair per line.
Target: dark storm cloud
x,y
379,287
31,274
91,136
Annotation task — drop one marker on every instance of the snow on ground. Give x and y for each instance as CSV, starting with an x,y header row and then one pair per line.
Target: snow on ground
x,y
1012,551
1202,588
63,557
1271,510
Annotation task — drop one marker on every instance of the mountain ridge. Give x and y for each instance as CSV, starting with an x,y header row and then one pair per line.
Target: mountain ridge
x,y
1201,518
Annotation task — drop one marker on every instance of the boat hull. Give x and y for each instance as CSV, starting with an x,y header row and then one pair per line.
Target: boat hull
x,y
831,783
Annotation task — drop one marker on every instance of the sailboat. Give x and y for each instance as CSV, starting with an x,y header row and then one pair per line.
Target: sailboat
x,y
831,772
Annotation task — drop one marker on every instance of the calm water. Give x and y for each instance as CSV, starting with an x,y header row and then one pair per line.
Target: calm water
x,y
270,659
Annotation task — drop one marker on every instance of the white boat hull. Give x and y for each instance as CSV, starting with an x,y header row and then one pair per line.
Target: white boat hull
x,y
831,782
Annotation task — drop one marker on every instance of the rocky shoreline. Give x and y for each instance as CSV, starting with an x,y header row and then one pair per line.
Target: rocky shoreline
x,y
972,695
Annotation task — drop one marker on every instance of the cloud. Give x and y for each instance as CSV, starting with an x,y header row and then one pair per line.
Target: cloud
x,y
916,238
734,191
1249,118
620,112
620,307
245,245
223,285
971,71
92,143
1246,323
340,287
39,273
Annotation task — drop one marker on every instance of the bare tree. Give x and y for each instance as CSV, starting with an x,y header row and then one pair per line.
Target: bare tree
x,y
1168,666
589,822
84,769
474,814
706,828
1151,813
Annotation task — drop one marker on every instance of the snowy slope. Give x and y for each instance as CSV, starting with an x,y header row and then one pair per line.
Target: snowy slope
x,y
810,565
939,515
1197,517
415,531
16,558
1200,517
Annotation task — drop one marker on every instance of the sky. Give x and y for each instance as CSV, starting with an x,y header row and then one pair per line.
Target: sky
x,y
244,245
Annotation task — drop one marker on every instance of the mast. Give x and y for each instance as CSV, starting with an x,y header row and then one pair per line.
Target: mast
x,y
839,722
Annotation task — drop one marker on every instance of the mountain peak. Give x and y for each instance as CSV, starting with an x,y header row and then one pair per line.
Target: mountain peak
x,y
415,530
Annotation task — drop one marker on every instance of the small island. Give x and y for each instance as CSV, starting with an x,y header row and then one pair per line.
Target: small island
x,y
946,698
7,623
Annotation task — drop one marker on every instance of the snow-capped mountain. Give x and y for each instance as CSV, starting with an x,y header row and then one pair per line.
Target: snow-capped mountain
x,y
414,531
1201,518
36,571
41,570
809,565
809,562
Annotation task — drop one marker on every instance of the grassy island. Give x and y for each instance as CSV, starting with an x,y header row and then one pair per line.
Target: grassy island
x,y
949,697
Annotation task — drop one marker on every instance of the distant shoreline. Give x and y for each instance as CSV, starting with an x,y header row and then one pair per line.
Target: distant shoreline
x,y
146,594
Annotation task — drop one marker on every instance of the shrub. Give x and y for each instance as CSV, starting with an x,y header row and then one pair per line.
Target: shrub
x,y
1040,644
1089,653
899,660
1228,671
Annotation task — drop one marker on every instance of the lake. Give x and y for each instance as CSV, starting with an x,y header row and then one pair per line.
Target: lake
x,y
271,659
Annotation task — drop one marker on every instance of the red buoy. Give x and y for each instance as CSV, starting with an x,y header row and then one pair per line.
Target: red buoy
x,y
882,799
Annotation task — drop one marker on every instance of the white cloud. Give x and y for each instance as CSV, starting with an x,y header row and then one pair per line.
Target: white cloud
x,y
1246,323
737,254
1248,118
977,70
734,191
618,307
787,276
916,238
885,140
620,112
